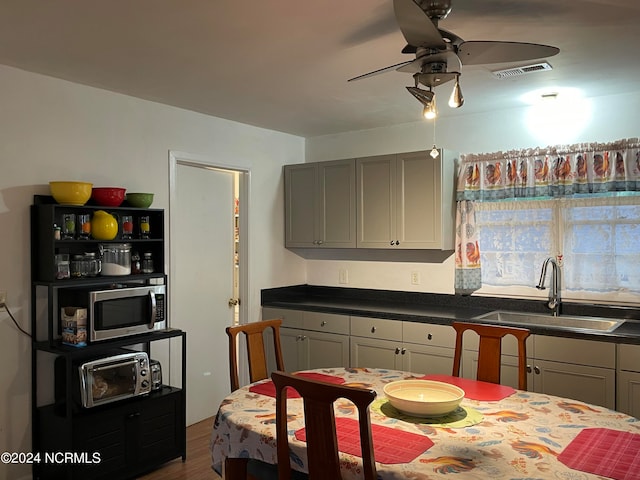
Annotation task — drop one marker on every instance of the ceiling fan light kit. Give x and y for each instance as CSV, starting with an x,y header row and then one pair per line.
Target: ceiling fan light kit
x,y
436,49
456,100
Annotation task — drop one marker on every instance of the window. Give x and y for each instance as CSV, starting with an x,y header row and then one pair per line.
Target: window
x,y
597,240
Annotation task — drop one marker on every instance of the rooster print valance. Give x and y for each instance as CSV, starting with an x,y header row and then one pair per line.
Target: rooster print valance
x,y
555,172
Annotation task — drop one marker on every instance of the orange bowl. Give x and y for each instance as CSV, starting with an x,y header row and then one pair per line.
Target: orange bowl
x,y
108,196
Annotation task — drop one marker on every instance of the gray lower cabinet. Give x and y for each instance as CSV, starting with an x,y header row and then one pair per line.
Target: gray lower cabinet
x,y
565,367
409,346
310,339
585,370
629,379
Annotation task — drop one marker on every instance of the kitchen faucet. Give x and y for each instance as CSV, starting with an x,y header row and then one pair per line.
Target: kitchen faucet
x,y
554,293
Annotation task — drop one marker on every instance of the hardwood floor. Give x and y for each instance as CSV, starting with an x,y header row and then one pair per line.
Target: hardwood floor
x,y
198,464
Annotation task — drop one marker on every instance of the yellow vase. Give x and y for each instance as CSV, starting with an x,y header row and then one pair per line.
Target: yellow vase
x,y
104,226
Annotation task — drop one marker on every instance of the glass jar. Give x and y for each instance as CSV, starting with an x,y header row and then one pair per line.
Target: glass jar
x,y
92,264
78,266
136,268
116,258
62,269
147,263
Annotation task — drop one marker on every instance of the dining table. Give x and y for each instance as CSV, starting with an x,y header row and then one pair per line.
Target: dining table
x,y
496,432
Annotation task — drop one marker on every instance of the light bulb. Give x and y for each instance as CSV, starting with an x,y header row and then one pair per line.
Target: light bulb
x,y
429,111
434,152
456,100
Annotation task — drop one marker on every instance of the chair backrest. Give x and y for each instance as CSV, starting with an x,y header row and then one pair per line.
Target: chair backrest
x,y
490,349
256,352
319,419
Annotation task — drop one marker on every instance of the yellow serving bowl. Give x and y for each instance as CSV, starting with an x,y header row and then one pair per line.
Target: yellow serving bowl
x,y
71,193
424,398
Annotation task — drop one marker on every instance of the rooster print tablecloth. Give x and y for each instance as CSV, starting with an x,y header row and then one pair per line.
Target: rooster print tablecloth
x,y
520,436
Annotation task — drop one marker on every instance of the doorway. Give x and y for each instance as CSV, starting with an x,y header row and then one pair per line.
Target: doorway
x,y
207,271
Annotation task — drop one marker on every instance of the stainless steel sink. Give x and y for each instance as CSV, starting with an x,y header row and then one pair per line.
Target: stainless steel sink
x,y
564,322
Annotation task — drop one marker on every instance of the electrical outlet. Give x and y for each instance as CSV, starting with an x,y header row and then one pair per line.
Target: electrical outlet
x,y
415,278
3,298
343,276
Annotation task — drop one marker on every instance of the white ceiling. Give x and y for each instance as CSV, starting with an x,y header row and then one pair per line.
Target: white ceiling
x,y
284,64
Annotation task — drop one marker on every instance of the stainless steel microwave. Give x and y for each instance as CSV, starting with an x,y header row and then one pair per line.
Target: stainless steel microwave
x,y
121,310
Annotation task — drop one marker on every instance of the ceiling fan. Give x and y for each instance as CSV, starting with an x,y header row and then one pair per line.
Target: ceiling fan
x,y
441,54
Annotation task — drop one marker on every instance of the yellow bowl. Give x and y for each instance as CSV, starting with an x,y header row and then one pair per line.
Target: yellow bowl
x,y
424,398
71,193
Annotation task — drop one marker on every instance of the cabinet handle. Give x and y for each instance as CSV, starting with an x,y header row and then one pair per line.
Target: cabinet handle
x,y
133,415
404,350
537,370
320,242
304,337
397,350
528,368
429,336
391,242
323,323
373,329
397,242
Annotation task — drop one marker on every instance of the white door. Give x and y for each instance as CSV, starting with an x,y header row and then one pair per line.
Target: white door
x,y
201,280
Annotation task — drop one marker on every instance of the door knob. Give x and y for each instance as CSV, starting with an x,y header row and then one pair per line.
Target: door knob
x,y
233,302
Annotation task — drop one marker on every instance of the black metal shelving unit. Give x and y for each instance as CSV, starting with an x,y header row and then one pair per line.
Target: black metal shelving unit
x,y
119,440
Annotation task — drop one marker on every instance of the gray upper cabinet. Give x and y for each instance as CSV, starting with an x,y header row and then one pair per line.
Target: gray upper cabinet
x,y
320,204
398,201
406,201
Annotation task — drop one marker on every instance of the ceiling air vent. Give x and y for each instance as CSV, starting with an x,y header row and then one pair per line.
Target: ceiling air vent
x,y
518,71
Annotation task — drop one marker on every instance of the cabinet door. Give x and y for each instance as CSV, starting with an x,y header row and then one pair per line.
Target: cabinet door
x,y
105,433
629,393
426,359
300,183
325,350
336,216
376,183
160,430
508,369
418,205
589,384
375,353
292,353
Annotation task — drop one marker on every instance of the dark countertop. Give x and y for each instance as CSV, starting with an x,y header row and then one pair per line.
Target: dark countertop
x,y
444,309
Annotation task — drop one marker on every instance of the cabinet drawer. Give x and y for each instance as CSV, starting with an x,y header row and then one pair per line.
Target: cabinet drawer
x,y
325,322
574,350
290,318
429,334
376,328
629,357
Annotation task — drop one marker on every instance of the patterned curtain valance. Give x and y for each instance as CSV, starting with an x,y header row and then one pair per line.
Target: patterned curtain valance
x,y
558,171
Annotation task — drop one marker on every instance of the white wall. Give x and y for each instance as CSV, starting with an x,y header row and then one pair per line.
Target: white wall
x,y
613,117
56,130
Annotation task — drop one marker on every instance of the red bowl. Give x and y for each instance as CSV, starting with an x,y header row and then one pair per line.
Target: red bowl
x,y
108,196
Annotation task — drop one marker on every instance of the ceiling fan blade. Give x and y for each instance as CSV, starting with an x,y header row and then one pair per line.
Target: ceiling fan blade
x,y
381,70
416,26
483,52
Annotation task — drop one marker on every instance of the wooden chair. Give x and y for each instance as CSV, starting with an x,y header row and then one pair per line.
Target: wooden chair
x,y
490,349
319,418
255,350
